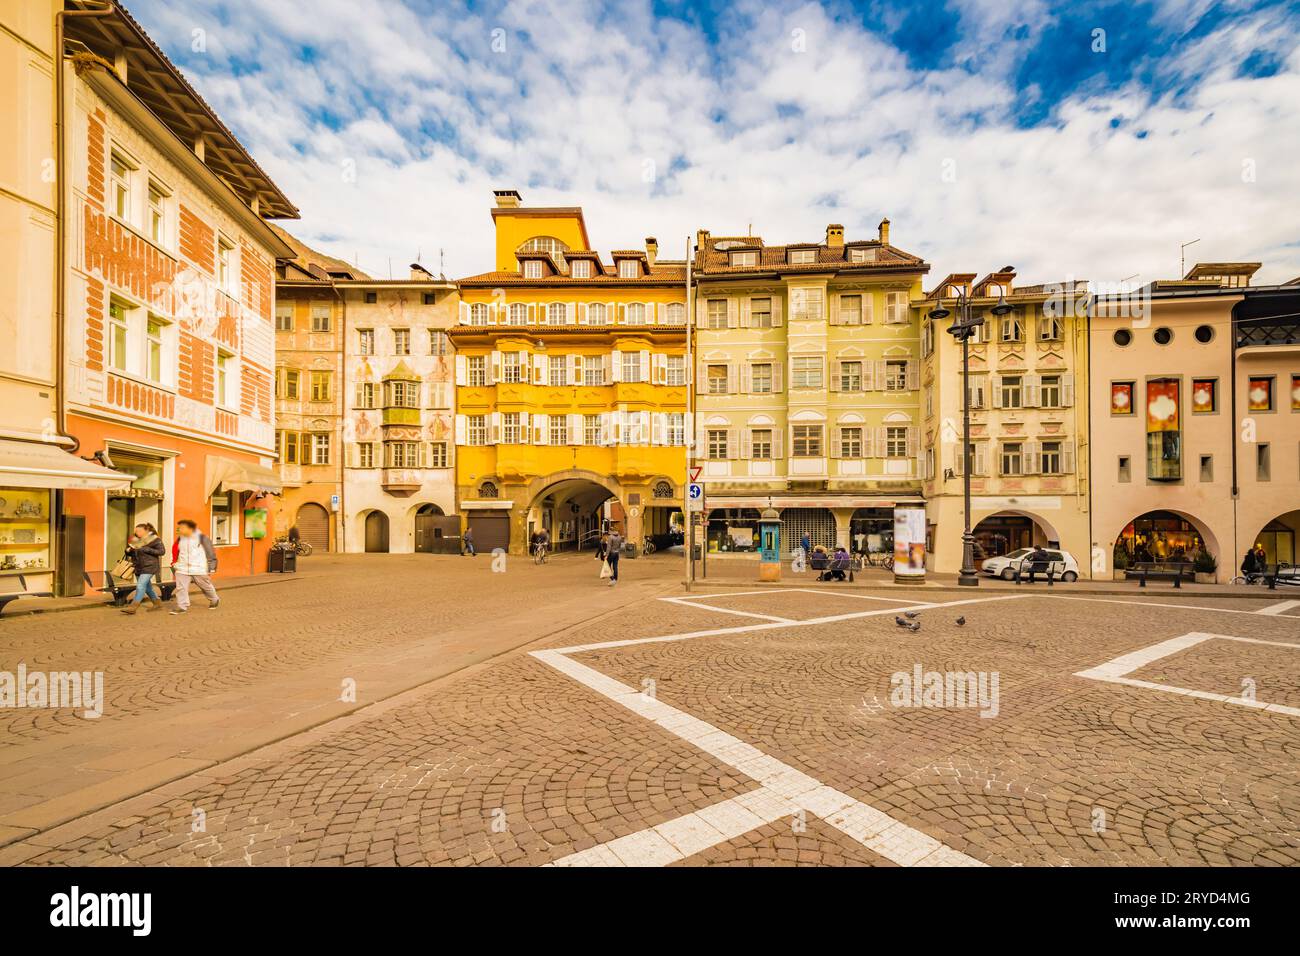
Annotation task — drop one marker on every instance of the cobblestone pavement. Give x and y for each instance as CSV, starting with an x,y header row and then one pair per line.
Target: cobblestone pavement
x,y
532,759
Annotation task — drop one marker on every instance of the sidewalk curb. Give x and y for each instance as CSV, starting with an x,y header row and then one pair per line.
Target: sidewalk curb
x,y
1230,594
91,604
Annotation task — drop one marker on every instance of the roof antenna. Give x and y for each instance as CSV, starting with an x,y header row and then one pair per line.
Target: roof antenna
x,y
1182,257
441,265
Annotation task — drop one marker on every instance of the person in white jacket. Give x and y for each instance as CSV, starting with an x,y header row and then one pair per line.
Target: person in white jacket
x,y
196,559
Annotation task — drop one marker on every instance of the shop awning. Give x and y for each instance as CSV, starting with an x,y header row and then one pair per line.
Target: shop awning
x,y
33,464
227,474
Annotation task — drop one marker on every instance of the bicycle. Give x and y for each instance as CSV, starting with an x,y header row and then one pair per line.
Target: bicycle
x,y
1255,578
539,553
302,548
880,559
648,547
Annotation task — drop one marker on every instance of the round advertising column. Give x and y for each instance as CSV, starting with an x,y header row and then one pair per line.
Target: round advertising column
x,y
909,544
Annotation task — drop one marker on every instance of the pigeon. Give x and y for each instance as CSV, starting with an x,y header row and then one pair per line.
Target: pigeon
x,y
911,615
900,622
914,626
961,621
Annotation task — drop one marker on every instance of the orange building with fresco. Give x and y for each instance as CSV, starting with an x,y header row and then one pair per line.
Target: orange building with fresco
x,y
170,269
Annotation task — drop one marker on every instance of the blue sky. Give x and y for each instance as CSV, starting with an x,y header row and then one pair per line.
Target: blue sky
x,y
1079,140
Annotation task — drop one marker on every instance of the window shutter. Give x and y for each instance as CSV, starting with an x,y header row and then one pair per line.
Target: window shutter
x,y
869,443
1029,456
614,367
1029,391
606,374
746,316
997,392
643,369
836,318
913,442
981,458
880,374
570,313
957,459
777,319
464,313
702,378
462,430
1067,457
575,428
913,375
733,313
1067,390
868,309
541,429
658,428
494,428
494,368
868,376
778,376
778,444
746,379
837,368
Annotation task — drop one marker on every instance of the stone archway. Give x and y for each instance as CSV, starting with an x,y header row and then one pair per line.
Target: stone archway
x,y
1008,529
1159,532
570,506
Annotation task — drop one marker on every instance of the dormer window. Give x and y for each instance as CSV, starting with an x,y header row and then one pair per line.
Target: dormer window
x,y
802,256
532,268
580,269
862,254
747,259
629,269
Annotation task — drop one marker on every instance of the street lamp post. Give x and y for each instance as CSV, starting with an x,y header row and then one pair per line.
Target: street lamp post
x,y
961,331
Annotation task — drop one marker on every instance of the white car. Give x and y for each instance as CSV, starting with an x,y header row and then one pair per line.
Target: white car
x,y
1004,566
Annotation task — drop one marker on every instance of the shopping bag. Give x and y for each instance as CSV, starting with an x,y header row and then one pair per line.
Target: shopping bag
x,y
124,570
604,569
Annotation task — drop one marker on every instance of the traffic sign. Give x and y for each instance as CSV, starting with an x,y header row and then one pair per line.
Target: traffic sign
x,y
695,472
695,496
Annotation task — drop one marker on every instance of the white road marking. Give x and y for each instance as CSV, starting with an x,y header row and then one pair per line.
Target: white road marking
x,y
1135,603
1115,671
1278,608
684,602
782,789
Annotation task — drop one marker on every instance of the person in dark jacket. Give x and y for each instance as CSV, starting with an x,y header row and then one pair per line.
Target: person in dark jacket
x,y
145,549
1250,564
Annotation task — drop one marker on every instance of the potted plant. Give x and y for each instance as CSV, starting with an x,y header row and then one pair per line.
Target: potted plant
x,y
1120,561
1204,566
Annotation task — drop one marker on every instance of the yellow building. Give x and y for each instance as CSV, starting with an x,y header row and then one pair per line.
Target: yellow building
x,y
571,386
1029,419
807,388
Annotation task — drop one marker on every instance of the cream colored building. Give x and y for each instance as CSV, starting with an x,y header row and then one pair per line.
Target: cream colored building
x,y
398,386
807,387
1196,420
1029,419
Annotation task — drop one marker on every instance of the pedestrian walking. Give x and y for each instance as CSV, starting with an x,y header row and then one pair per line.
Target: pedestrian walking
x,y
805,545
468,542
194,560
613,547
145,549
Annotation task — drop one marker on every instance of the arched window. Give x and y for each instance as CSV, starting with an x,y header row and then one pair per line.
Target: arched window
x,y
556,313
596,313
518,314
662,489
676,313
488,489
550,244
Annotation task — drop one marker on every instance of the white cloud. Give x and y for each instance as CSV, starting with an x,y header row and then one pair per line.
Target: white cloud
x,y
584,99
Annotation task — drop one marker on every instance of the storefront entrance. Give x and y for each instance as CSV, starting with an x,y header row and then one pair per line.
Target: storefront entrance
x,y
142,503
491,530
871,531
817,523
1160,536
1001,534
733,530
1277,538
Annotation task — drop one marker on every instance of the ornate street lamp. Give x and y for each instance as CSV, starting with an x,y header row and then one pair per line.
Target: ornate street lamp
x,y
961,330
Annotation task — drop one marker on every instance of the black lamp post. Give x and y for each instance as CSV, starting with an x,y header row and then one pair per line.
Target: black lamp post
x,y
962,330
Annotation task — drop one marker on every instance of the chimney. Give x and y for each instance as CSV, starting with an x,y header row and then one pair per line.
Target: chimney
x,y
651,249
884,232
419,273
834,236
701,239
508,198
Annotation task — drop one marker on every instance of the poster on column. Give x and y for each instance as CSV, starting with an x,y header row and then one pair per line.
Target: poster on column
x,y
909,542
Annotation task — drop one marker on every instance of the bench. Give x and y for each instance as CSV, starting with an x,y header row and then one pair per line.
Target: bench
x,y
120,589
7,596
832,567
1160,570
1048,569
